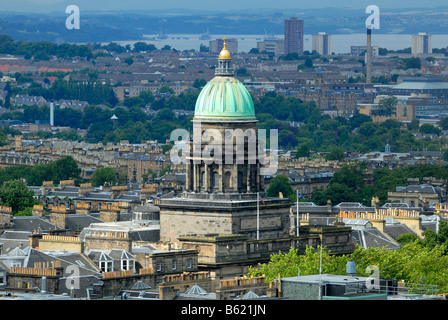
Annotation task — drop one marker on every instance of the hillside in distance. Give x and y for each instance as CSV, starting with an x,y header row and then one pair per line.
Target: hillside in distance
x,y
115,26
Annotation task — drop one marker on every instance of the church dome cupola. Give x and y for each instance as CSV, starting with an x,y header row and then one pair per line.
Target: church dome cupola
x,y
224,60
224,97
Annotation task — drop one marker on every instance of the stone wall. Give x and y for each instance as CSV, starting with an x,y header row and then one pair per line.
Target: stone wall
x,y
180,283
232,216
107,243
48,242
239,286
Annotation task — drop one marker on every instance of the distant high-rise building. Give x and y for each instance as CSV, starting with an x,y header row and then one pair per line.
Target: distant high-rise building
x,y
322,43
293,36
215,46
421,43
361,50
276,47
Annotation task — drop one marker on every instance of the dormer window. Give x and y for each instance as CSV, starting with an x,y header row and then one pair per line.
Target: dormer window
x,y
127,262
106,263
106,266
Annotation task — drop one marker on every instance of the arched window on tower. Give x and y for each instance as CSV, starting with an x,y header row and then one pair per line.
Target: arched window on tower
x,y
215,179
240,179
227,177
202,182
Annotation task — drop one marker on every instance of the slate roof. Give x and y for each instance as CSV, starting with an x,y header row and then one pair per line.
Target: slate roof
x,y
89,274
430,222
129,198
30,223
139,285
10,244
250,295
148,208
397,229
94,195
15,235
125,216
80,221
107,196
422,84
372,237
68,191
118,254
149,232
115,255
195,293
420,188
357,223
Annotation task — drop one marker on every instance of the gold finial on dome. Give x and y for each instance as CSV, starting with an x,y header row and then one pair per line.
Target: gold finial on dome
x,y
225,54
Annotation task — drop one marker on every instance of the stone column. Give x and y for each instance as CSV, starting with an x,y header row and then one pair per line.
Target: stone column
x,y
195,177
207,178
235,178
188,176
220,178
248,178
259,178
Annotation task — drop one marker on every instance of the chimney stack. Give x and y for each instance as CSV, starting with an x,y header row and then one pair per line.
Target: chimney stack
x,y
51,114
369,57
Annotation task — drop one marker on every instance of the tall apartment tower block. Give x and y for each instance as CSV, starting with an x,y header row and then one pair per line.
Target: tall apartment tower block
x,y
421,43
322,43
293,36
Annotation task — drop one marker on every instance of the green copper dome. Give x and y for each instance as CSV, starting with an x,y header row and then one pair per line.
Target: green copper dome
x,y
224,97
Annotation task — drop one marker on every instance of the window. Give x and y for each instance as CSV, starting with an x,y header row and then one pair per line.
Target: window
x,y
227,179
159,266
189,263
174,265
240,179
127,264
106,266
215,179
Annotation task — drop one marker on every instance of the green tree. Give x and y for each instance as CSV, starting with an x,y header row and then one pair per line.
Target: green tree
x,y
291,263
413,63
103,175
428,128
308,62
147,96
405,238
280,184
303,151
443,123
165,170
16,195
199,83
336,193
387,105
409,263
336,154
166,89
129,60
414,125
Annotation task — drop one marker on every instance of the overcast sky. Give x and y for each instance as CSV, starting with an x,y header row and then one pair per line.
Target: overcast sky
x,y
43,6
